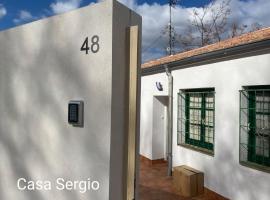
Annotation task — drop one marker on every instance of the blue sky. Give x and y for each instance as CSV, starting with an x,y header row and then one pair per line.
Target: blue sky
x,y
41,9
155,16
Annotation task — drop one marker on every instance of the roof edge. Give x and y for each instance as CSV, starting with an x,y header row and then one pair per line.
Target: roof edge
x,y
242,50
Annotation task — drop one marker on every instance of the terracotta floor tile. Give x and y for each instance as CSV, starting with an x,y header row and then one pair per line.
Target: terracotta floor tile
x,y
156,185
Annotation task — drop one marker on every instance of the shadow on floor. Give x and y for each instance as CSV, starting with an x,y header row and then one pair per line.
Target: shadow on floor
x,y
156,185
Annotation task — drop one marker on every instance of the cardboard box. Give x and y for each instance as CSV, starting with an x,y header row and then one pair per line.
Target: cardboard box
x,y
187,181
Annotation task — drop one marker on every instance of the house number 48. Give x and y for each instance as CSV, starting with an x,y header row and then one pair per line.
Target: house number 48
x,y
94,45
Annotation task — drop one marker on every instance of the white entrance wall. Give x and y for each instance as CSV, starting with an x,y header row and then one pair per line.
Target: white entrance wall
x,y
159,127
223,173
148,90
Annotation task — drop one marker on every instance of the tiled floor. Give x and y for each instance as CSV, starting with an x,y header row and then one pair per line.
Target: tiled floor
x,y
155,185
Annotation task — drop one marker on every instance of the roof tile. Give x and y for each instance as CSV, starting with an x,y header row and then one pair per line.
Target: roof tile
x,y
262,34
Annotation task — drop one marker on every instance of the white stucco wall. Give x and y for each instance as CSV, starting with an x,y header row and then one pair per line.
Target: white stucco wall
x,y
148,91
223,173
41,70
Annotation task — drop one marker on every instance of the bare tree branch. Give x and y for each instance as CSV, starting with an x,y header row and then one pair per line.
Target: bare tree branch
x,y
210,24
235,29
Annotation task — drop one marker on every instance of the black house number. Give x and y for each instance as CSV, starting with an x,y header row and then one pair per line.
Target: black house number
x,y
94,45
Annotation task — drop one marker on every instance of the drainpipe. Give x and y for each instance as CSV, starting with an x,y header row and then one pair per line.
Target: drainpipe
x,y
169,119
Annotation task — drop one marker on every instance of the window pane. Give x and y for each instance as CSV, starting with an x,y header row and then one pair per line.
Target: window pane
x,y
209,100
195,116
262,121
262,146
209,135
195,132
195,101
209,118
259,102
263,102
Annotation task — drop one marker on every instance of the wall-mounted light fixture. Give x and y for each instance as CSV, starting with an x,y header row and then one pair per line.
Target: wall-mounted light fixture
x,y
159,86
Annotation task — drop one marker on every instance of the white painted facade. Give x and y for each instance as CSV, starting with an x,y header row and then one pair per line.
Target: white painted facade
x,y
148,91
223,173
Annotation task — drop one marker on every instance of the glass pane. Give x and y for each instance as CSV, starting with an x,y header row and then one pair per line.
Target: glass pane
x,y
259,102
195,101
259,121
195,116
262,121
209,118
209,100
262,146
263,101
266,105
195,132
209,135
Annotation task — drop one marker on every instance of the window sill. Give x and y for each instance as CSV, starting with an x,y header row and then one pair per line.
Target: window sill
x,y
199,149
255,166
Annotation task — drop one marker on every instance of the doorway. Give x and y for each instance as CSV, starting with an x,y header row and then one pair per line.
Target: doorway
x,y
154,182
159,128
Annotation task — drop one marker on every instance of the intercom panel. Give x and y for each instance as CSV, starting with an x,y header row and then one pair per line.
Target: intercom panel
x,y
75,113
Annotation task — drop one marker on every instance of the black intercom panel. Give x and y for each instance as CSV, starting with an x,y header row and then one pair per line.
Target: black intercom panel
x,y
75,113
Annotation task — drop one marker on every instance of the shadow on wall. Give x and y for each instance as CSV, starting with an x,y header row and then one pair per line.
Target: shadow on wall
x,y
146,128
36,141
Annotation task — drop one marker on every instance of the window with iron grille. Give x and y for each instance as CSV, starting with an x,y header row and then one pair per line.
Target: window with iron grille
x,y
196,113
255,126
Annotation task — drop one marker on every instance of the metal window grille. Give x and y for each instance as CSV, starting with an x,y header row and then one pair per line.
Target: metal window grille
x,y
255,126
196,112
